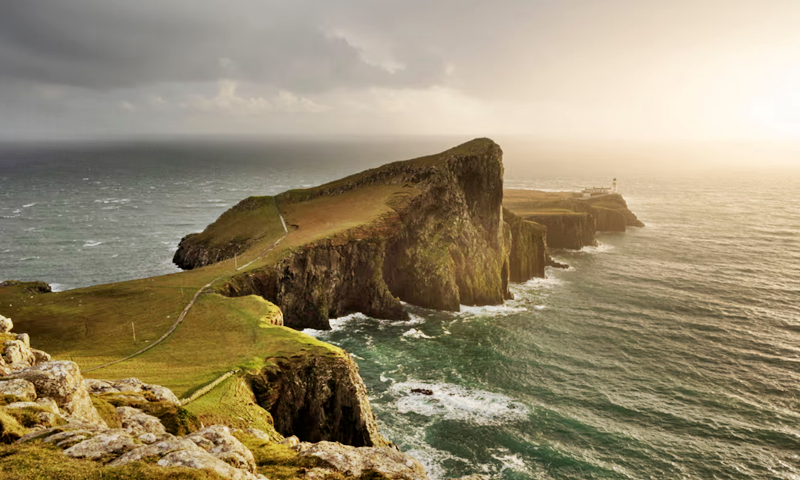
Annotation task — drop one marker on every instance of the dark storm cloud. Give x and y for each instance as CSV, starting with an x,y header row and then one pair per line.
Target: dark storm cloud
x,y
103,44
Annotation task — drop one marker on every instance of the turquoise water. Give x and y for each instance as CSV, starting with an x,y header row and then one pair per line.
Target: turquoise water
x,y
671,351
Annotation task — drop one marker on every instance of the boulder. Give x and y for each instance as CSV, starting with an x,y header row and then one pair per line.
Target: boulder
x,y
259,434
206,461
155,393
157,450
62,381
23,390
33,414
147,438
48,404
17,351
109,443
387,461
24,338
5,324
290,442
136,422
40,356
218,441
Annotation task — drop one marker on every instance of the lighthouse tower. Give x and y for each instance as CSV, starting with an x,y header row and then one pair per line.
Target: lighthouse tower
x,y
614,186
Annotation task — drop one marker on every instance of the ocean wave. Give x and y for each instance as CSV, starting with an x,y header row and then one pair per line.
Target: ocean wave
x,y
453,402
26,259
29,205
58,287
601,248
91,243
413,319
336,324
415,334
489,310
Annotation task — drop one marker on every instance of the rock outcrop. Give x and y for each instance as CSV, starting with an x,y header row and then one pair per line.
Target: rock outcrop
x,y
528,254
572,230
444,245
318,398
388,462
62,381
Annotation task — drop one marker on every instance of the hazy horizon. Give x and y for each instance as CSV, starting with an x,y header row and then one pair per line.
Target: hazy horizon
x,y
588,71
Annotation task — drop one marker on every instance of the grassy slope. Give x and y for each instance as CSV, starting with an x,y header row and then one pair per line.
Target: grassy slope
x,y
248,221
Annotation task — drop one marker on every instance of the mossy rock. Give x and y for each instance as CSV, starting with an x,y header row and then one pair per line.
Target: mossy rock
x,y
40,461
107,411
176,420
10,428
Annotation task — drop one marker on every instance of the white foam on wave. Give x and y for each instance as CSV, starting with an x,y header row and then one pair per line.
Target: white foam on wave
x,y
601,248
29,205
336,325
415,334
489,310
91,243
58,287
28,259
453,402
412,320
539,308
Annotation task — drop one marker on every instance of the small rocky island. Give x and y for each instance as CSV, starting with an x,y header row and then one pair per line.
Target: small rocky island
x,y
215,375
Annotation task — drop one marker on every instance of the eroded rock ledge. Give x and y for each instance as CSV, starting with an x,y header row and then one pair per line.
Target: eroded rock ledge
x,y
127,423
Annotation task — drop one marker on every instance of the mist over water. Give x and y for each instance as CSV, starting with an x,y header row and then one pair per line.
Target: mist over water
x,y
671,351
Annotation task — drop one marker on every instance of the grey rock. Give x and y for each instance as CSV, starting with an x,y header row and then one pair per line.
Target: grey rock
x,y
24,338
204,460
17,351
136,422
259,434
40,356
147,438
290,442
354,461
109,443
62,381
218,441
19,388
5,324
157,450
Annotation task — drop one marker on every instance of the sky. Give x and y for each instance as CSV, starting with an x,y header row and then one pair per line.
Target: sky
x,y
641,70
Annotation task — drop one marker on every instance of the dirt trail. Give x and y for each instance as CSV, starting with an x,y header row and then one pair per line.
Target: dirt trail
x,y
191,303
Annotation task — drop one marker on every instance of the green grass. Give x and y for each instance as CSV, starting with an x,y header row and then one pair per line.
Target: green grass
x,y
39,461
232,403
10,429
245,223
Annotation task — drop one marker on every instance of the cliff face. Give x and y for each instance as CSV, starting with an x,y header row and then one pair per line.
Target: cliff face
x,y
616,204
528,253
443,246
324,280
572,231
318,398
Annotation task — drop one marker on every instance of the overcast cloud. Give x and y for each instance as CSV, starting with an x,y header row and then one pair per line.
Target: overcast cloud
x,y
566,68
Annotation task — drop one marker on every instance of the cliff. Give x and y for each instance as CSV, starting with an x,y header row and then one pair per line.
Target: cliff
x,y
571,221
528,254
567,230
439,243
317,399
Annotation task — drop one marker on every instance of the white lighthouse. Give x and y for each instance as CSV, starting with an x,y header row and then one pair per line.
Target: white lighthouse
x,y
614,186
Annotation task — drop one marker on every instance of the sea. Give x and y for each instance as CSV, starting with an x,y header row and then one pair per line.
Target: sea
x,y
670,351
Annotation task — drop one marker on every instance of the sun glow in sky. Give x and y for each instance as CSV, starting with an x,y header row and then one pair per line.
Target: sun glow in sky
x,y
579,69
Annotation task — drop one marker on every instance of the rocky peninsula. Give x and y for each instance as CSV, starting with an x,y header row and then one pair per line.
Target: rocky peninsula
x,y
438,232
